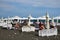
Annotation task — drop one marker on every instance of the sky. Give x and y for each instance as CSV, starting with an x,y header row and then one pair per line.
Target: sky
x,y
23,8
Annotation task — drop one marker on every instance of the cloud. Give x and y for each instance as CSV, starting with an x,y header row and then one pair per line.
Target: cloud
x,y
38,3
7,7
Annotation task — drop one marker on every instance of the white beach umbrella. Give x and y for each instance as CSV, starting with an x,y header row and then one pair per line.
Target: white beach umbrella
x,y
53,22
58,17
16,17
43,18
47,21
24,18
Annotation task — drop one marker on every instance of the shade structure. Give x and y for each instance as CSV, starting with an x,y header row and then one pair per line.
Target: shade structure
x,y
43,18
16,17
58,17
53,22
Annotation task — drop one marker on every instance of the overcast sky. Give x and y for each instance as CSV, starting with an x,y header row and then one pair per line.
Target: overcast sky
x,y
23,8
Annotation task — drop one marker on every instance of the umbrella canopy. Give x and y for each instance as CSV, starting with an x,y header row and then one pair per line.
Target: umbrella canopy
x,y
43,18
24,18
32,18
16,17
58,17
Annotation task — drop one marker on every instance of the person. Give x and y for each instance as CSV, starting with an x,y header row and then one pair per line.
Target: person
x,y
41,26
17,25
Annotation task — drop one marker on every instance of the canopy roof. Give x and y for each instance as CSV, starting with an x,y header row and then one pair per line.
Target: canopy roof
x,y
16,17
43,18
58,17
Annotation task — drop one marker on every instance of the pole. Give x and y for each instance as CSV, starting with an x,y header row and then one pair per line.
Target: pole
x,y
29,18
53,22
28,21
47,21
57,21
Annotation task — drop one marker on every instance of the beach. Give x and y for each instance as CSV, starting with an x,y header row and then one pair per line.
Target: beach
x,y
18,35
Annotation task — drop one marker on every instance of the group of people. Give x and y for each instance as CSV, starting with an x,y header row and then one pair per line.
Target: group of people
x,y
42,25
39,25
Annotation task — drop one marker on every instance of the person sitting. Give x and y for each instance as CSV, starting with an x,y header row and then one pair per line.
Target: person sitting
x,y
17,25
41,25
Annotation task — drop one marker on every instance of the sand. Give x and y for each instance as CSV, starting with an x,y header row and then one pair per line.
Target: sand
x,y
18,35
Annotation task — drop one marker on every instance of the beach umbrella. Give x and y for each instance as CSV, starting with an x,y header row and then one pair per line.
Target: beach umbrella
x,y
41,18
47,21
53,21
58,17
16,17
